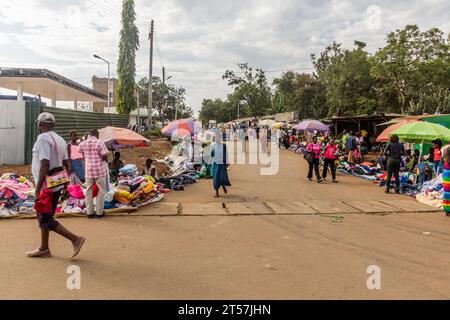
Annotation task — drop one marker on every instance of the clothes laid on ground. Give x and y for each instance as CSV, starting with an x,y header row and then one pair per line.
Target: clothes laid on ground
x,y
16,195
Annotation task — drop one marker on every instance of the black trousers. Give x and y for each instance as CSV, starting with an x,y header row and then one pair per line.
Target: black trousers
x,y
314,164
393,168
329,162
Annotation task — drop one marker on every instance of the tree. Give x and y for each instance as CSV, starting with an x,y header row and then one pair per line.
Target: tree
x,y
167,99
251,90
126,66
400,66
345,74
301,92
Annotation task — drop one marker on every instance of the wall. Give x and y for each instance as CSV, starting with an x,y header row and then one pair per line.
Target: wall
x,y
66,120
101,85
12,132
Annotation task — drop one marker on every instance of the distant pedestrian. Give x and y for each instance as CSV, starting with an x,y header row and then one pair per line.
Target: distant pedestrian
x,y
350,147
96,158
49,159
330,159
394,152
446,182
220,164
314,148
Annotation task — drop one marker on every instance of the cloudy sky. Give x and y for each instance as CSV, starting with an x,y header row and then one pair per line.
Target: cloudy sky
x,y
196,40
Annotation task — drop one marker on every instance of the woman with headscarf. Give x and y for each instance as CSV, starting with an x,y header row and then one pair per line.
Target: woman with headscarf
x,y
220,163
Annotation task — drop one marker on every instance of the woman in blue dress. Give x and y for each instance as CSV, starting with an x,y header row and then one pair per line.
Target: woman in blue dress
x,y
220,163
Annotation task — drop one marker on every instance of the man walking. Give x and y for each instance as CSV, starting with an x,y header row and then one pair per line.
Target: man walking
x,y
96,159
49,158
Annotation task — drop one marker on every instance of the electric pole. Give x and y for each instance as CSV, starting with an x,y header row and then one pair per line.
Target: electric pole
x,y
164,75
150,79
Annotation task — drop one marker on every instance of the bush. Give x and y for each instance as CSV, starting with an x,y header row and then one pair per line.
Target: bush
x,y
153,133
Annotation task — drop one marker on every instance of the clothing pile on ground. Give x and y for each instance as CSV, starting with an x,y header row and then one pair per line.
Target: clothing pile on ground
x,y
16,195
431,192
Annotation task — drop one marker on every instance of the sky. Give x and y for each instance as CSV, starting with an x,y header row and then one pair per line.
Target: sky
x,y
197,40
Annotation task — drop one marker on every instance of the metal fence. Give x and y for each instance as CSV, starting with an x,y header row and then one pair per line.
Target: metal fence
x,y
66,120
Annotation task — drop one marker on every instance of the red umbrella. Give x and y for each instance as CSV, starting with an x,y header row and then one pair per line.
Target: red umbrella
x,y
384,136
120,137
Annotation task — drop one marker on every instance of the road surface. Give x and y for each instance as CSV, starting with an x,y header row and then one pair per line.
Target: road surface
x,y
271,237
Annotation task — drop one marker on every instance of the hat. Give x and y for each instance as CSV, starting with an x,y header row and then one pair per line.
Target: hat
x,y
46,117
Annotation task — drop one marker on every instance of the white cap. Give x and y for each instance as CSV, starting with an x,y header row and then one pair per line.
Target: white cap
x,y
46,117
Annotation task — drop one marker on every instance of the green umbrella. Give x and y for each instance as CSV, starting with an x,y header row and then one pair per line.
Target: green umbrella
x,y
420,132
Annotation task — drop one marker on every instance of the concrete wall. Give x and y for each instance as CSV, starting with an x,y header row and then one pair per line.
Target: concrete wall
x,y
12,132
101,85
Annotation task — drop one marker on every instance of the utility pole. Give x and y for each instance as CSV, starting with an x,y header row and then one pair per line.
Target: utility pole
x,y
150,79
138,113
164,75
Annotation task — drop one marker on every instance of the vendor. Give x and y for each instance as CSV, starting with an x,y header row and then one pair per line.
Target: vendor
x,y
115,165
150,169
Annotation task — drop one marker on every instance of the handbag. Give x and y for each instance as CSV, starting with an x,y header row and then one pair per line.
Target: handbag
x,y
58,176
308,156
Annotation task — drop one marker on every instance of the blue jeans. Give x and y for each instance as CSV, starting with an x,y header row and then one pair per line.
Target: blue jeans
x,y
437,166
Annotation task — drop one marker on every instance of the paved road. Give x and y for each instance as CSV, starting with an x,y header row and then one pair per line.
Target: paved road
x,y
219,255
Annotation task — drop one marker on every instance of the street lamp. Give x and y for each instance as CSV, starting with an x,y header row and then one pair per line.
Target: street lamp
x,y
109,98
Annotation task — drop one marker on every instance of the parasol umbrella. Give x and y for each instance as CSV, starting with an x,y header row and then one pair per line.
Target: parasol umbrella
x,y
384,136
116,138
181,128
278,125
267,122
420,132
311,125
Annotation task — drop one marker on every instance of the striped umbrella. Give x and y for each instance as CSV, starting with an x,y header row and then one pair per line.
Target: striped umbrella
x,y
181,128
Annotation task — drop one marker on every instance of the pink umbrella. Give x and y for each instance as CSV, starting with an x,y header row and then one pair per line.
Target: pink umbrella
x,y
311,125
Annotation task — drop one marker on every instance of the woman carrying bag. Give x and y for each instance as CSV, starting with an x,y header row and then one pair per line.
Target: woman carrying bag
x,y
312,155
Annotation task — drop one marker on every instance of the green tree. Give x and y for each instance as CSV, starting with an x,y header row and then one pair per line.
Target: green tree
x,y
301,92
167,99
345,74
251,90
409,61
126,66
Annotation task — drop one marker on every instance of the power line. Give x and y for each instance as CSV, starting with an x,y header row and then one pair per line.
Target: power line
x,y
239,71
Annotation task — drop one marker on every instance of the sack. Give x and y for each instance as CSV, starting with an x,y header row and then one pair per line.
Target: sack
x,y
57,179
309,156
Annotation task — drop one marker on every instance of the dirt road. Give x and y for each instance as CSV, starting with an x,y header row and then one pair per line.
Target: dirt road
x,y
315,252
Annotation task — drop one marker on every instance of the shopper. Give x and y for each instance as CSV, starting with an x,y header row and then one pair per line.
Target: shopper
x,y
329,161
49,159
96,157
76,162
314,148
394,152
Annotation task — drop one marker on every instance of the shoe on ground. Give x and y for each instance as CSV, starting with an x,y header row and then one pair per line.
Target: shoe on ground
x,y
77,247
397,191
100,216
39,254
320,181
91,216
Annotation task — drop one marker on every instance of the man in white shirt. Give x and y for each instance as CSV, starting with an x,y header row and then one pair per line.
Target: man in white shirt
x,y
49,157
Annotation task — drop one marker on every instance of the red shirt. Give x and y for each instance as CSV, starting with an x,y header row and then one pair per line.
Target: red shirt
x,y
437,154
330,151
314,147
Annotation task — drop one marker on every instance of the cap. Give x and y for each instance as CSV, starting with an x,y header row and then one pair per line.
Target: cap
x,y
46,117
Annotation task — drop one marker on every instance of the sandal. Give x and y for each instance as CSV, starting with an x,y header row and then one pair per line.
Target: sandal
x,y
39,254
77,247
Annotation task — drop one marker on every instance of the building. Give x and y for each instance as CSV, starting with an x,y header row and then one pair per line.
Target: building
x,y
18,129
101,85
